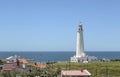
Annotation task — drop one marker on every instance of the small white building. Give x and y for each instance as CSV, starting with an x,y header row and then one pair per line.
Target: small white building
x,y
75,73
12,58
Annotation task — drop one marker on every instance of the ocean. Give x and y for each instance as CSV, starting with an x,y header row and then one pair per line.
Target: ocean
x,y
58,56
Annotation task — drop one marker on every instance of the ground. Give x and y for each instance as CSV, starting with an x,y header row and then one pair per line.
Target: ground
x,y
53,69
97,69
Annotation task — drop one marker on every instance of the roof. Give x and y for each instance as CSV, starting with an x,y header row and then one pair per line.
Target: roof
x,y
23,60
9,67
12,57
39,65
75,73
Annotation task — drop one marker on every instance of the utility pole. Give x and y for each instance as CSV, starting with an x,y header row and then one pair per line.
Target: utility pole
x,y
106,71
69,65
66,66
96,73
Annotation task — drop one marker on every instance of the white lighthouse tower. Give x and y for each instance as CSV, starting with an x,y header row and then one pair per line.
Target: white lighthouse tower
x,y
80,42
80,55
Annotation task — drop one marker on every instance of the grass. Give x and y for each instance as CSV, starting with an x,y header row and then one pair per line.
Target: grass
x,y
97,69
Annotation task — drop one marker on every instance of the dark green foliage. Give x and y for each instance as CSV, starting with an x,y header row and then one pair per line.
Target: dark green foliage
x,y
1,62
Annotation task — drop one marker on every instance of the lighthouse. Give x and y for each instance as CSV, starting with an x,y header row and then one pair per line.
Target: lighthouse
x,y
80,42
80,54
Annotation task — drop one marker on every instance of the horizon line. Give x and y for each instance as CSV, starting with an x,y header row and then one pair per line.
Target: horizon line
x,y
60,51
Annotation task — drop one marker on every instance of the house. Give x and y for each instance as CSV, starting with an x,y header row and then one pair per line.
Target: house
x,y
23,62
75,73
12,58
12,64
8,67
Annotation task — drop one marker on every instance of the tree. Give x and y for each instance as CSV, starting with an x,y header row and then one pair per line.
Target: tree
x,y
1,62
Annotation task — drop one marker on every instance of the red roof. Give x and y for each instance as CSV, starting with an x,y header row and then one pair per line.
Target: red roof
x,y
75,73
8,67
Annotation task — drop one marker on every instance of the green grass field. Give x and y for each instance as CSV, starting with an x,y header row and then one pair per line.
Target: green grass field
x,y
97,69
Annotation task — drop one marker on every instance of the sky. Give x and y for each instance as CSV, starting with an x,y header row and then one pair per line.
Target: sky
x,y
51,25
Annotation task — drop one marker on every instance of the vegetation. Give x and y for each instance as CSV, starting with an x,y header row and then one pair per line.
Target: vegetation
x,y
53,69
1,62
97,69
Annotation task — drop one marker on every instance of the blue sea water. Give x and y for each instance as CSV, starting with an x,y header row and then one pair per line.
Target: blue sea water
x,y
58,56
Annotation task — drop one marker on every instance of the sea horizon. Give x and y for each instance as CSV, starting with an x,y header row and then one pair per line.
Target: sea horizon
x,y
58,51
57,56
